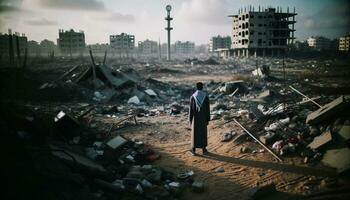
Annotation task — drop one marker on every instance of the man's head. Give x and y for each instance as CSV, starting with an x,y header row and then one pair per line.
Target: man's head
x,y
199,86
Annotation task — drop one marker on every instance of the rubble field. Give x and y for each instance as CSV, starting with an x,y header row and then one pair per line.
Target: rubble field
x,y
119,129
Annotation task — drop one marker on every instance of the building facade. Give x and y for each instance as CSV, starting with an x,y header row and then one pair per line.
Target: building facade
x,y
344,43
184,48
5,41
319,43
71,42
123,43
148,47
219,42
266,32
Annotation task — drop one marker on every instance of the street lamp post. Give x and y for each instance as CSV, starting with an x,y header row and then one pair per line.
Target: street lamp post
x,y
168,28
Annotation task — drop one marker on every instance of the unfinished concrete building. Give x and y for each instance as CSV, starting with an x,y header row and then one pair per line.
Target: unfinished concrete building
x,y
265,32
148,47
184,48
123,44
71,42
219,42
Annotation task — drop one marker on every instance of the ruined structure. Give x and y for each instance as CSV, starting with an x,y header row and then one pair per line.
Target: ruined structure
x,y
184,48
219,42
71,42
122,43
148,47
266,32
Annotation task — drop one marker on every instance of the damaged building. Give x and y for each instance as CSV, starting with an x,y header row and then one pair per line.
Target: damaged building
x,y
265,32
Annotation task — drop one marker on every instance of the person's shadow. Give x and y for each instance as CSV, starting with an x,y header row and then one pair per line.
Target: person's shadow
x,y
274,166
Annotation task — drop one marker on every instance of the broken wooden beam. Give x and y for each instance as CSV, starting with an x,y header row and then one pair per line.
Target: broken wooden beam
x,y
256,139
297,91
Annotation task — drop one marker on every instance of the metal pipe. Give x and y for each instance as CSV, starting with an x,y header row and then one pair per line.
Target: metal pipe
x,y
305,96
256,139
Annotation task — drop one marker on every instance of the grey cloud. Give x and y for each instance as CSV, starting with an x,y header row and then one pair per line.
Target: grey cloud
x,y
41,22
212,12
93,5
335,16
119,17
7,6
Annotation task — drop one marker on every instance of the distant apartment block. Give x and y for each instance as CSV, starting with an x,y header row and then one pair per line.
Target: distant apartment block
x,y
6,39
47,46
122,43
148,47
219,42
263,32
344,43
319,43
184,48
71,42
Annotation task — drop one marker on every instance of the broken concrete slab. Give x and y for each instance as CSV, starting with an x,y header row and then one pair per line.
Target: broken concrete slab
x,y
151,93
344,133
337,158
111,78
327,111
116,142
269,138
134,100
230,87
321,140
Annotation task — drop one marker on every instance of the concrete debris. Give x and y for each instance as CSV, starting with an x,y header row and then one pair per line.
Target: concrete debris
x,y
116,142
344,133
150,93
334,108
268,138
92,108
262,72
276,125
337,158
230,87
321,140
134,100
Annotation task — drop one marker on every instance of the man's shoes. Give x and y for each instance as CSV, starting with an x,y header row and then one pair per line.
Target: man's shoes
x,y
205,152
193,153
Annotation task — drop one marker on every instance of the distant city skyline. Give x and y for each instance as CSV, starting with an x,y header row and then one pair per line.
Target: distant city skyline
x,y
194,20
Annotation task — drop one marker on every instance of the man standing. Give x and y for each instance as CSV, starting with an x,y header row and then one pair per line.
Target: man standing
x,y
199,117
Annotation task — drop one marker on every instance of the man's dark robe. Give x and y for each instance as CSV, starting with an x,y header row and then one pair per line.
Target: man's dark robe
x,y
199,121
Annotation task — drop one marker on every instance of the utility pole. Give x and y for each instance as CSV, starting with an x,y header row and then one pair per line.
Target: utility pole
x,y
159,50
168,28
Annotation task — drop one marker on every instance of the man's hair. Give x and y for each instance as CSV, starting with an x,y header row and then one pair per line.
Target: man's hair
x,y
199,86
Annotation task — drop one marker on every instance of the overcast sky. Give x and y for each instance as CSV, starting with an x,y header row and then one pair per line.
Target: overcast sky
x,y
194,20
